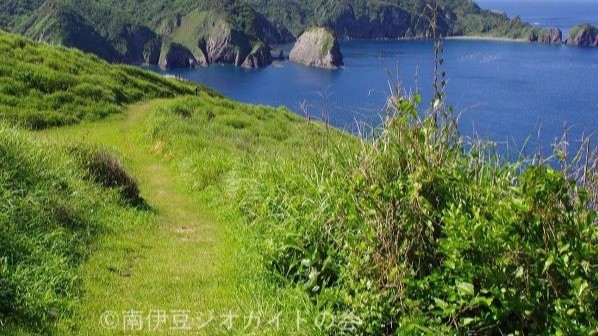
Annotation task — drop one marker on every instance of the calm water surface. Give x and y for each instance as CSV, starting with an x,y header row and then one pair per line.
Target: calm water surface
x,y
505,92
562,14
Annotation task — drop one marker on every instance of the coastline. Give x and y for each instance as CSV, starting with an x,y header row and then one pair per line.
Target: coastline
x,y
487,38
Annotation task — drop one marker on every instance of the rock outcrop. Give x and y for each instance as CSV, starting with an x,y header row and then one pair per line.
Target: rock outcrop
x,y
584,35
225,45
175,56
213,39
277,55
259,57
548,36
317,47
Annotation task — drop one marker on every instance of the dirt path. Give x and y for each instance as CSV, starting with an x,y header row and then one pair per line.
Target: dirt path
x,y
175,267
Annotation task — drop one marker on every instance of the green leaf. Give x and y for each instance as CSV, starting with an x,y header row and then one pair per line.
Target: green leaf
x,y
468,321
548,263
584,285
440,303
465,288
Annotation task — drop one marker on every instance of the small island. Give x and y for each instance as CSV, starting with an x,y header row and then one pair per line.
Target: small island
x,y
585,35
317,47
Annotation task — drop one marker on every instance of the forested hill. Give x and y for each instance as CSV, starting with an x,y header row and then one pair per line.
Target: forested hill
x,y
389,19
190,32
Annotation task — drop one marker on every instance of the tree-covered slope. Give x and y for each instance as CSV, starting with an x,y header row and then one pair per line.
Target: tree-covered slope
x,y
388,19
42,85
174,33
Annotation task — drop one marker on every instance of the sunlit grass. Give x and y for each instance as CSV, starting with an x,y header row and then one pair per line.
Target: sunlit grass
x,y
193,251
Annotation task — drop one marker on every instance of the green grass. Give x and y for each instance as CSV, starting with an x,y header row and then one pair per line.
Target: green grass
x,y
46,230
198,206
194,252
415,232
195,26
134,212
327,44
43,86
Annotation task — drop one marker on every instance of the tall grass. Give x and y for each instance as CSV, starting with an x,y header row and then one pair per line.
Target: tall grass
x,y
417,232
50,215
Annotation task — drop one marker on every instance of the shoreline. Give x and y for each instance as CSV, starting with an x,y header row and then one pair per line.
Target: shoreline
x,y
487,38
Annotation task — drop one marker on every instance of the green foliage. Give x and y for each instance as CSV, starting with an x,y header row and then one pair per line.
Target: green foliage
x,y
328,44
413,234
574,32
134,31
46,229
43,86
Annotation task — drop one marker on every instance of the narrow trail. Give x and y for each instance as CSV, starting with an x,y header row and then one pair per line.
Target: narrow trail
x,y
183,262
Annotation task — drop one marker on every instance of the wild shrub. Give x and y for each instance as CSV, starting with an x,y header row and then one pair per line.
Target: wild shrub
x,y
413,233
418,232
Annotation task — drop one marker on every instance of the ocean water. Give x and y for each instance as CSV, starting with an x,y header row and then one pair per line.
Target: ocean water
x,y
505,92
562,14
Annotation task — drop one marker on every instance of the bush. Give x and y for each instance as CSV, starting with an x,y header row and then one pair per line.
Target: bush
x,y
416,233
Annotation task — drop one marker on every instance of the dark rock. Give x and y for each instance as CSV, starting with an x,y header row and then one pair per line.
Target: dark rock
x,y
225,45
143,45
176,56
259,57
548,36
317,47
551,36
277,55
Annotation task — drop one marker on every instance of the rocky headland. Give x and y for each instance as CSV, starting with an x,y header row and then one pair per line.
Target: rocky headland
x,y
317,47
585,35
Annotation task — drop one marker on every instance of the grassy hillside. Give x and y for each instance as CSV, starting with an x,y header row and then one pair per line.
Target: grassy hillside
x,y
222,207
54,202
389,19
43,86
79,235
419,233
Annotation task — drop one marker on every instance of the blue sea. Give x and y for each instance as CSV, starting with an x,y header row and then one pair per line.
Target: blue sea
x,y
506,92
548,13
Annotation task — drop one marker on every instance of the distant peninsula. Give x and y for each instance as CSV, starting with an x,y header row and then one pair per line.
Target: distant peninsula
x,y
192,33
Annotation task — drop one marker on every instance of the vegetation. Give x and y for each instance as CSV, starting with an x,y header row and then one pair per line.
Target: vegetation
x,y
585,35
43,86
46,230
137,31
231,207
389,19
417,232
192,250
414,234
80,235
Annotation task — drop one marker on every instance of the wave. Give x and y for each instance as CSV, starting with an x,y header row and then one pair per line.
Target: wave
x,y
478,58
